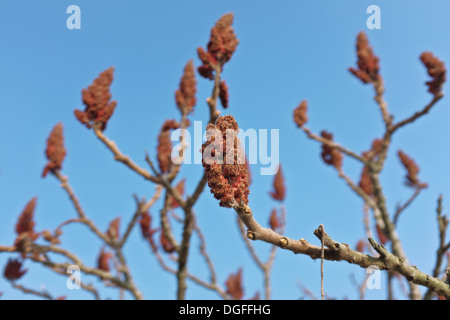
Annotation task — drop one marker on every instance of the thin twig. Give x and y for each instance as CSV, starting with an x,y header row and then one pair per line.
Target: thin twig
x,y
131,286
359,191
442,249
418,114
40,256
81,214
198,190
266,267
67,222
379,98
212,101
175,168
204,253
42,294
307,292
165,224
269,263
119,156
249,245
88,287
141,207
161,179
332,144
360,287
366,222
210,286
402,208
390,289
322,258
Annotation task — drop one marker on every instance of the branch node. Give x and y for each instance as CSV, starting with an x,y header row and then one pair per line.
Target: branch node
x,y
283,242
251,235
246,209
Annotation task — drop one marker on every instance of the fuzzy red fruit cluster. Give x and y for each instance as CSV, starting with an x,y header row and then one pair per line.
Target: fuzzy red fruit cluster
x,y
234,285
279,188
436,70
227,180
13,270
412,179
164,148
55,150
300,114
331,156
368,64
97,98
25,227
185,95
221,46
365,182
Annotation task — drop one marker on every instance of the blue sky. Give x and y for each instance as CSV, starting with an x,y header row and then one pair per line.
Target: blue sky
x,y
288,51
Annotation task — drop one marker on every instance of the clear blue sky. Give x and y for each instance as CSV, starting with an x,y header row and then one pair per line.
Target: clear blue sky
x,y
288,51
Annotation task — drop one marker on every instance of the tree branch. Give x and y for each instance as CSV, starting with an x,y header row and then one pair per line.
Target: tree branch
x,y
379,98
42,294
418,114
336,251
183,253
119,156
411,273
141,207
442,249
402,208
81,214
332,144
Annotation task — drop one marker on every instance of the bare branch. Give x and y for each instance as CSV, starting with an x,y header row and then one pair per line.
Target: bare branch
x,y
379,98
198,190
249,245
131,286
119,156
184,252
402,208
165,224
40,256
322,258
389,227
212,101
205,254
307,292
210,286
443,248
340,251
42,294
360,287
411,273
332,144
418,114
81,214
88,287
141,207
